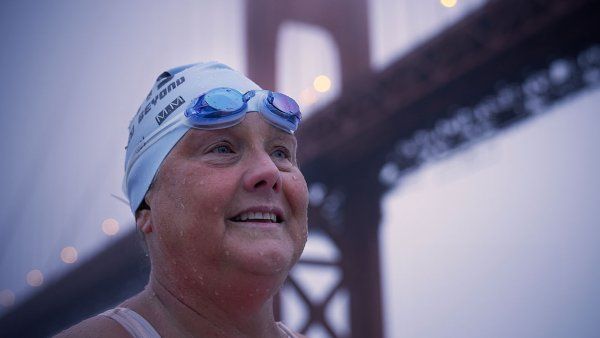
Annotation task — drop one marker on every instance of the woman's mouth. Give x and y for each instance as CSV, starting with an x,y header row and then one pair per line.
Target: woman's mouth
x,y
257,216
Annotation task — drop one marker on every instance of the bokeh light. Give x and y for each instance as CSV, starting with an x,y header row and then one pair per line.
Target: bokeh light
x,y
448,3
68,255
35,277
7,298
322,83
110,226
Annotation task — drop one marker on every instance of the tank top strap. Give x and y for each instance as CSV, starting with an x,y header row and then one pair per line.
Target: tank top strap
x,y
286,330
138,327
133,322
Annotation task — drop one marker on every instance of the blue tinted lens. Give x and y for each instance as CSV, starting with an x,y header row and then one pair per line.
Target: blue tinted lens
x,y
284,104
284,112
224,100
218,108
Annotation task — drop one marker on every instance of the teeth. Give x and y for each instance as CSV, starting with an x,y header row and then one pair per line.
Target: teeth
x,y
257,216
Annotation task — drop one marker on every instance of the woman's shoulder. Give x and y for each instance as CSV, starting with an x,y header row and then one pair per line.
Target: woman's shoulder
x,y
289,332
97,326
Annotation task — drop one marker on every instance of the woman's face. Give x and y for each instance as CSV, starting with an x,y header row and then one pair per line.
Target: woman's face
x,y
229,200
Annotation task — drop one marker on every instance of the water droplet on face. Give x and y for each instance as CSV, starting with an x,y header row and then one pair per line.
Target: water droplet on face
x,y
227,253
294,177
216,293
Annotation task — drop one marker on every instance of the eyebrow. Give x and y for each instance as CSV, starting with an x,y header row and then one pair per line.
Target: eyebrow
x,y
215,133
286,137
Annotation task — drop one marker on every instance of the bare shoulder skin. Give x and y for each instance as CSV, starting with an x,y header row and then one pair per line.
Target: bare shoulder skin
x,y
97,326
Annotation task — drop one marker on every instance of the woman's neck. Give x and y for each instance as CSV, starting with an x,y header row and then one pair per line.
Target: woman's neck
x,y
216,308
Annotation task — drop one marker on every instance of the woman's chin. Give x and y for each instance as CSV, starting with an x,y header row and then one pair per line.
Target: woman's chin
x,y
268,259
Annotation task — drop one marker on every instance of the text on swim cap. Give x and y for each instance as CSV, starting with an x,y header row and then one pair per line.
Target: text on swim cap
x,y
159,96
163,114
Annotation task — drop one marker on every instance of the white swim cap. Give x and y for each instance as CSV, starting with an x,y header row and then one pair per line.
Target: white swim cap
x,y
167,100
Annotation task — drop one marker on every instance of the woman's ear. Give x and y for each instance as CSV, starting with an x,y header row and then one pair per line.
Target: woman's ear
x,y
143,215
143,220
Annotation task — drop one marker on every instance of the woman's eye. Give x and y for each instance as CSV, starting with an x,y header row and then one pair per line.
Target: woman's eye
x,y
281,154
222,149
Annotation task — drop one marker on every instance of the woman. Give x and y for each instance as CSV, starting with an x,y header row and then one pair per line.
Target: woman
x,y
213,181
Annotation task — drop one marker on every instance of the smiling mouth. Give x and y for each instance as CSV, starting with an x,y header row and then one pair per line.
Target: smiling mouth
x,y
257,217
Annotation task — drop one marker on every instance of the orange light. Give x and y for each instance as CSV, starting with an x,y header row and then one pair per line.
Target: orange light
x,y
322,83
7,298
110,226
68,255
448,3
35,278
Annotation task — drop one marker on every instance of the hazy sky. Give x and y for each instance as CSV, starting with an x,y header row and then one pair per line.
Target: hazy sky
x,y
501,240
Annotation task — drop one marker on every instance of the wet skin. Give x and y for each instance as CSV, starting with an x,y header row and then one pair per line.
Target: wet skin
x,y
196,238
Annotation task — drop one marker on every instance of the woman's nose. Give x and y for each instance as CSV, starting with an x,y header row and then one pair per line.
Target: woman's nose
x,y
262,174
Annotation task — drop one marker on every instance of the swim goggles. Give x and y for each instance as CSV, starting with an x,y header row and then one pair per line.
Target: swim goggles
x,y
225,107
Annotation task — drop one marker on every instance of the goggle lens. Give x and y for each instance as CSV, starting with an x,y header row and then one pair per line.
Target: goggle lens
x,y
224,100
284,104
